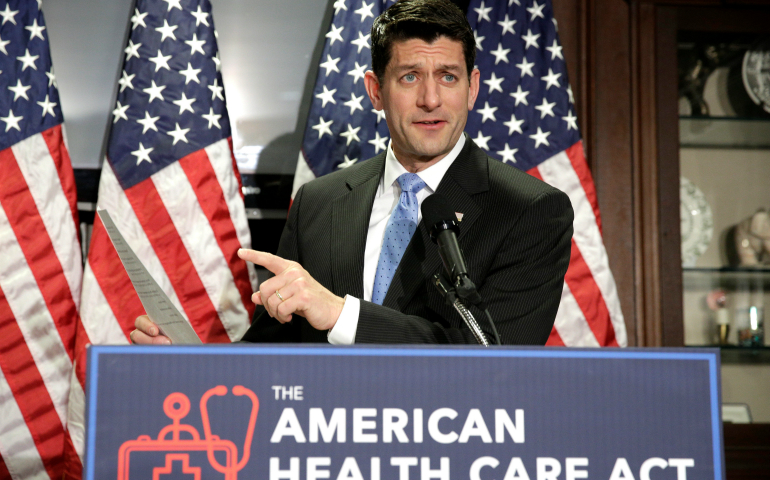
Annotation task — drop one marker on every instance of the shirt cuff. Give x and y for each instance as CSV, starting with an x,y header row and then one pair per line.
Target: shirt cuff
x,y
344,331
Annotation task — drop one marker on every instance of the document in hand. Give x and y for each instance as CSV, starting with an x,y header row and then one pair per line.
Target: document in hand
x,y
155,301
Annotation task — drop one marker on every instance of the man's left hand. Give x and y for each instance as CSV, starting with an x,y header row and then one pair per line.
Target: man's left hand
x,y
293,290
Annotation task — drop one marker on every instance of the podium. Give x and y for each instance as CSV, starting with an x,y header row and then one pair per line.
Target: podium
x,y
376,413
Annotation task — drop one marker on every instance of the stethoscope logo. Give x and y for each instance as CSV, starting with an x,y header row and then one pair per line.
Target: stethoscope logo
x,y
176,406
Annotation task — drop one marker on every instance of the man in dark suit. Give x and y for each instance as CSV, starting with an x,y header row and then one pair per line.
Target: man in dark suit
x,y
355,262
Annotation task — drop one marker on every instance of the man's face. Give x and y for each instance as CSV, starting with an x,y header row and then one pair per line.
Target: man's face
x,y
426,95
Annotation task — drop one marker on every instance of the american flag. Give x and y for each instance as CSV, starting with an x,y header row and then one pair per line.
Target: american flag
x,y
40,264
170,183
524,116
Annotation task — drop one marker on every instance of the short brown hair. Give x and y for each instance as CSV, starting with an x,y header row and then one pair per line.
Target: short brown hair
x,y
423,19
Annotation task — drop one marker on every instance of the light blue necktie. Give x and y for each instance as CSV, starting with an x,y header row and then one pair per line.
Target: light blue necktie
x,y
398,233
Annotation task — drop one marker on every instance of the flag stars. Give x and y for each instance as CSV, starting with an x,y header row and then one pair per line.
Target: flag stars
x,y
138,19
161,61
551,80
571,121
327,96
173,4
132,50
154,91
196,45
119,113
482,141
569,93
47,106
378,142
507,154
487,113
191,74
3,43
335,34
365,10
494,83
217,61
200,17
536,11
526,67
507,25
35,30
514,125
19,90
11,121
8,16
358,72
483,12
330,64
51,78
351,134
347,162
179,134
478,39
184,104
216,90
362,41
546,109
520,96
380,115
501,54
142,154
126,81
148,122
323,127
540,138
555,50
212,118
339,5
28,60
530,39
354,103
167,31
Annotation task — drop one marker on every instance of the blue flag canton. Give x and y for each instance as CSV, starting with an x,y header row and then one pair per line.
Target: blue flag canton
x,y
171,101
29,99
342,126
525,111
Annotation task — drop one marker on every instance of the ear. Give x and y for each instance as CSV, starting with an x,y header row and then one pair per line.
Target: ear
x,y
473,88
373,89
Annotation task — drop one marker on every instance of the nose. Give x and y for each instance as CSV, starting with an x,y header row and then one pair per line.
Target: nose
x,y
430,95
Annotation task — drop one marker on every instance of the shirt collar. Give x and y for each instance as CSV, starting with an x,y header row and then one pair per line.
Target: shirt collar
x,y
431,176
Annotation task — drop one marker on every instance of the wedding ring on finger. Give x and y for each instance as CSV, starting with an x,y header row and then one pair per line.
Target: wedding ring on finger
x,y
278,294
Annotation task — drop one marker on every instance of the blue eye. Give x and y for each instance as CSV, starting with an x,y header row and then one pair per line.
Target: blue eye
x,y
449,77
410,77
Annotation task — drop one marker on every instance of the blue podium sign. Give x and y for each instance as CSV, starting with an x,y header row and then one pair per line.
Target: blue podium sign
x,y
378,413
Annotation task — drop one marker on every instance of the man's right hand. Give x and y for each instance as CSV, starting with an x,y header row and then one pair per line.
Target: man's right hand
x,y
147,333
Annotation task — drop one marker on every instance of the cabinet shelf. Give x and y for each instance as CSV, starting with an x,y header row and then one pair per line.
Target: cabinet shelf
x,y
724,132
726,277
733,354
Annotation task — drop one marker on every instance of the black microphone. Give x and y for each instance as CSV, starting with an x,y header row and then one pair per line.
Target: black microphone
x,y
443,227
442,223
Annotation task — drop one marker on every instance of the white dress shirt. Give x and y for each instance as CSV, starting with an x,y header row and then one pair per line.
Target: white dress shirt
x,y
385,201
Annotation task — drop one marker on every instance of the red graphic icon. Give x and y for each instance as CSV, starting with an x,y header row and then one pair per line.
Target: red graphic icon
x,y
176,407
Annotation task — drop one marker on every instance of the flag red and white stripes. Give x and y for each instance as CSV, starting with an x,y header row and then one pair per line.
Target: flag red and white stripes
x,y
40,275
589,314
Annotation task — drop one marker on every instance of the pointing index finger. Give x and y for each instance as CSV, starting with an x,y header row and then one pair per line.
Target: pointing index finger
x,y
271,262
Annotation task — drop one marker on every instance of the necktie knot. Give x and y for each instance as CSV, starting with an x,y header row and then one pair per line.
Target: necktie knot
x,y
410,182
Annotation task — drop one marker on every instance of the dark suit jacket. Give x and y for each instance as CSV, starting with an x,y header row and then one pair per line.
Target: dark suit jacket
x,y
515,233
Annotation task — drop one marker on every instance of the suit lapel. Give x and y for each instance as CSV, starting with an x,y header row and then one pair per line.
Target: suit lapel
x,y
467,176
350,225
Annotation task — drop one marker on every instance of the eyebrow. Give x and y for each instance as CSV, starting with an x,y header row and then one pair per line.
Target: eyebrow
x,y
414,66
